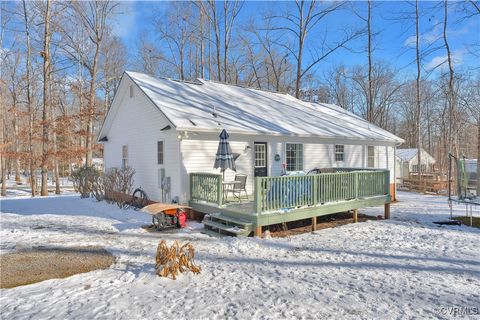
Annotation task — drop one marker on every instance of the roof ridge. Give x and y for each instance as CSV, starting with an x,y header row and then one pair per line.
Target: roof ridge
x,y
244,86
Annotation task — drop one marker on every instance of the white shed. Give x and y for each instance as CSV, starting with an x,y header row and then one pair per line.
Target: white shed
x,y
166,129
407,161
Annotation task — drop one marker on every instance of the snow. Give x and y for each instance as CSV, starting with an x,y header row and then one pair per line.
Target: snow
x,y
406,154
190,106
406,267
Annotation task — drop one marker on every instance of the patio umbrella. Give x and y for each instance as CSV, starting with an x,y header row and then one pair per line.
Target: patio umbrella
x,y
224,158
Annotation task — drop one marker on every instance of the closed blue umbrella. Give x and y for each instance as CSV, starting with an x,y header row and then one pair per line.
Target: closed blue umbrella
x,y
224,158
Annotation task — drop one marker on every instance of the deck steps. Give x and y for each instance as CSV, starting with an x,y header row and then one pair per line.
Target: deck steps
x,y
224,225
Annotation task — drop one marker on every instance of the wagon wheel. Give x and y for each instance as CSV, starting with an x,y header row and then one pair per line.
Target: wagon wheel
x,y
156,223
139,199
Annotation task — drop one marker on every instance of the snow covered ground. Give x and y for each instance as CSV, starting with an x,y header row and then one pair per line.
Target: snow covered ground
x,y
406,267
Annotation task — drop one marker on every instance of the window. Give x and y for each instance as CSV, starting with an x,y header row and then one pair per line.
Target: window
x,y
131,91
423,168
339,152
260,155
124,157
294,156
371,157
160,152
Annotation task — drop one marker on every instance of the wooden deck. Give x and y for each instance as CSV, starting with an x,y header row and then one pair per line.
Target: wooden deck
x,y
289,198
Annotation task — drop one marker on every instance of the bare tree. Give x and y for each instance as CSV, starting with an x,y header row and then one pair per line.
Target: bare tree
x,y
92,17
418,113
231,9
46,95
299,24
30,109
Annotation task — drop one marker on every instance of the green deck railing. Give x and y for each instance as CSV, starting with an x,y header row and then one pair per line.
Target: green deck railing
x,y
285,192
206,187
275,193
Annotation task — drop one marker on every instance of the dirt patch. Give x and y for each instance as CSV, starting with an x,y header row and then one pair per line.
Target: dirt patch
x,y
323,222
43,263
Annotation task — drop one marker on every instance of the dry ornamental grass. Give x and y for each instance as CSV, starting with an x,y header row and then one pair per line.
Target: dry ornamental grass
x,y
175,259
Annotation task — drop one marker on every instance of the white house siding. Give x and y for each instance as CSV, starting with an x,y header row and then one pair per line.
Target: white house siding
x,y
137,123
425,158
198,155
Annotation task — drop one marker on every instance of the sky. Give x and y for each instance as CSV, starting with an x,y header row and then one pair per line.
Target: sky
x,y
394,40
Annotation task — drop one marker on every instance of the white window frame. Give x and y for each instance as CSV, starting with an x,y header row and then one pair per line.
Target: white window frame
x,y
162,152
302,163
372,157
342,153
264,146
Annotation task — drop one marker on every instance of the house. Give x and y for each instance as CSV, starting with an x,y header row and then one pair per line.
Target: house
x,y
407,162
167,130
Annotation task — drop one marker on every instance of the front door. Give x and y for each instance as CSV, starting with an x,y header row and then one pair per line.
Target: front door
x,y
260,149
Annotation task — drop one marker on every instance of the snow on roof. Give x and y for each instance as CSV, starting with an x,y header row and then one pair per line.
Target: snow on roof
x,y
406,154
207,105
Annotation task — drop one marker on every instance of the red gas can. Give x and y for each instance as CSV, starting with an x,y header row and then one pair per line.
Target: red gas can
x,y
182,219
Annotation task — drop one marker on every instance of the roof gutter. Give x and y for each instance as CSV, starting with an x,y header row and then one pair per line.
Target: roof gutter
x,y
276,134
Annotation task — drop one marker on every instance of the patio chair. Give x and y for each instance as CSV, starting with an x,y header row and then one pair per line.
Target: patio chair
x,y
240,187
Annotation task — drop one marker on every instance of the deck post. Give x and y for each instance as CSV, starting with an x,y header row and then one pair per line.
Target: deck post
x,y
387,211
219,191
258,231
257,195
190,185
356,184
355,215
314,224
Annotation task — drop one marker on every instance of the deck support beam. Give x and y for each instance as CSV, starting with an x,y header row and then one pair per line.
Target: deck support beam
x,y
258,232
355,215
387,211
314,224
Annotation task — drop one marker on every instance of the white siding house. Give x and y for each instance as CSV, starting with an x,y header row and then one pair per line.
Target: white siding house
x,y
187,118
406,161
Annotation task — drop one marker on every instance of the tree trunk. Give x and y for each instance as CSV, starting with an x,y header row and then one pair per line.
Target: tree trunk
x,y
46,102
418,105
478,157
91,107
16,144
30,110
202,53
3,165
451,97
370,93
54,151
298,80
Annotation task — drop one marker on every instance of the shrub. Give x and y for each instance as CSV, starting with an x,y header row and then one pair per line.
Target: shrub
x,y
118,185
86,181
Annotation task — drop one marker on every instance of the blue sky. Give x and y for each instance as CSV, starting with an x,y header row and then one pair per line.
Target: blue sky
x,y
394,41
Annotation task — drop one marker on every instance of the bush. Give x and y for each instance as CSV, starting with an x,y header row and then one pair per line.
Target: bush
x,y
87,180
118,185
114,186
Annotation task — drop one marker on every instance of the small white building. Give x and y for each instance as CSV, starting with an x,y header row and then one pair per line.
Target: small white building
x,y
166,129
407,161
